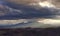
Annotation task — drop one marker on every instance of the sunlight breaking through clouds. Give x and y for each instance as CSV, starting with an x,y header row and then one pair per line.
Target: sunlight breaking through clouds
x,y
48,9
46,4
50,21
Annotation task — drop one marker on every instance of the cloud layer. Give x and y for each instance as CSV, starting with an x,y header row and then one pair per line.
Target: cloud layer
x,y
11,12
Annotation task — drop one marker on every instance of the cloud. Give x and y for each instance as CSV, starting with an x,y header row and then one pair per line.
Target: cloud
x,y
15,11
26,15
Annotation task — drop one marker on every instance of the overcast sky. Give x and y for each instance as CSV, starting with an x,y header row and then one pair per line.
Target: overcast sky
x,y
10,10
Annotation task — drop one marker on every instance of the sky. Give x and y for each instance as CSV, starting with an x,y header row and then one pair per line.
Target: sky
x,y
28,15
27,11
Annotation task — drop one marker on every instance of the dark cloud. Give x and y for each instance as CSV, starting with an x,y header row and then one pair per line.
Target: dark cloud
x,y
15,11
12,10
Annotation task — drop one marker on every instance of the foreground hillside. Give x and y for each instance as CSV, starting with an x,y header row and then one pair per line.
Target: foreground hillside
x,y
30,32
